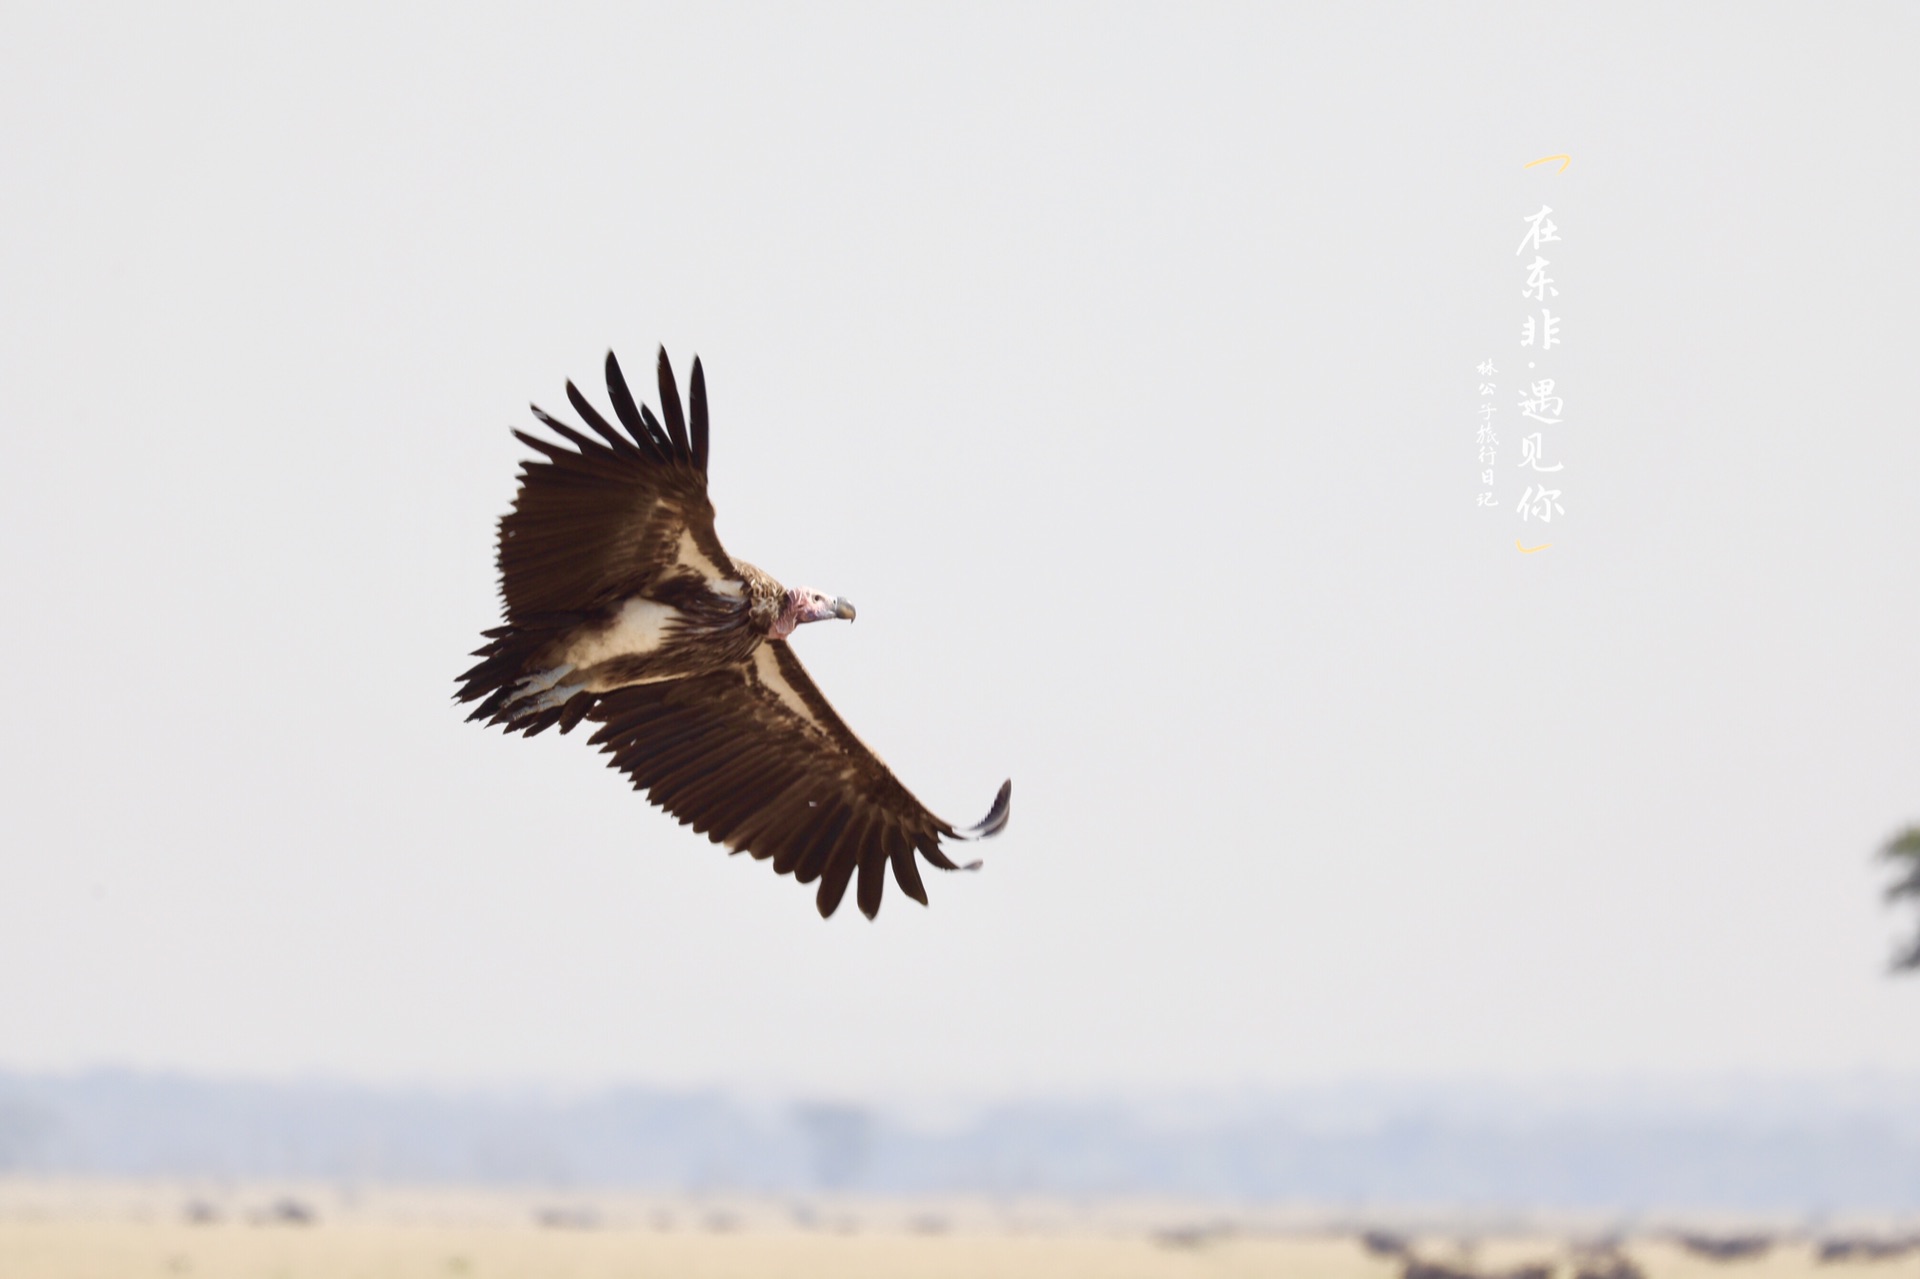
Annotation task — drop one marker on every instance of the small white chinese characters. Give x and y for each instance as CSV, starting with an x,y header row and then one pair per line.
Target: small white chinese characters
x,y
1548,332
1544,401
1539,231
1540,334
1484,439
1540,503
1532,453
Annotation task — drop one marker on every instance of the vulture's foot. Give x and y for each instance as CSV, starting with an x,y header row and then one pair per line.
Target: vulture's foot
x,y
540,692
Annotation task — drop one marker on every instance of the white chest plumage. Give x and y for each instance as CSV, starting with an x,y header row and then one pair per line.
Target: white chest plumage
x,y
639,628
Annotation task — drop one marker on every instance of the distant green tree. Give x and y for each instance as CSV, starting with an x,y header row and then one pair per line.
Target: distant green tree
x,y
1903,850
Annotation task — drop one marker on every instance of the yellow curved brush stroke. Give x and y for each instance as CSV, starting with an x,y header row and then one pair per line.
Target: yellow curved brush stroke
x,y
1565,160
1528,550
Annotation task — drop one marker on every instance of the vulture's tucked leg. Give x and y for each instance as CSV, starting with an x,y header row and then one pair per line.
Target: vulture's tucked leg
x,y
540,691
558,696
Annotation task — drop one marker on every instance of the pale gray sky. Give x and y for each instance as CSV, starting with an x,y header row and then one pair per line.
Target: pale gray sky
x,y
1118,364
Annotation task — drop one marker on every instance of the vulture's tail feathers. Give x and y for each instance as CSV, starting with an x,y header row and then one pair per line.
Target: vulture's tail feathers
x,y
514,691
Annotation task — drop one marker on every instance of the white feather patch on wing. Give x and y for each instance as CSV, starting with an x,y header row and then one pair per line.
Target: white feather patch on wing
x,y
694,558
768,670
640,627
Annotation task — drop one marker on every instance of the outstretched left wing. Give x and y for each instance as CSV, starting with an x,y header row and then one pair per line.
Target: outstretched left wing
x,y
754,758
614,514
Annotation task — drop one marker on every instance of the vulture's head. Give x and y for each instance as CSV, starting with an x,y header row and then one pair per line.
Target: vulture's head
x,y
804,605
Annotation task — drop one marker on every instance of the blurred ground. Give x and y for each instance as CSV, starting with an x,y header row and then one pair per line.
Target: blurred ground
x,y
83,1231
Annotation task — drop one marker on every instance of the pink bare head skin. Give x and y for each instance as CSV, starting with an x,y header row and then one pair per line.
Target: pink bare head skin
x,y
805,605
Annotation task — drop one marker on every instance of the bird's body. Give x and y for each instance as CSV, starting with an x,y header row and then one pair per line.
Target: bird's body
x,y
623,608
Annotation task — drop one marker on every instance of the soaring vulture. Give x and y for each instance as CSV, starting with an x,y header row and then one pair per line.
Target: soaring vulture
x,y
622,608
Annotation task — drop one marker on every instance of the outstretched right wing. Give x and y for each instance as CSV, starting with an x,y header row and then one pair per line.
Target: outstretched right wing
x,y
613,515
754,757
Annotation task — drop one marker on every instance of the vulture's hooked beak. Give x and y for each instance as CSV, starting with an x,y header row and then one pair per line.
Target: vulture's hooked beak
x,y
841,608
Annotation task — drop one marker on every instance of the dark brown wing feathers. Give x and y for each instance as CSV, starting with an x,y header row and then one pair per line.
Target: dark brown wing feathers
x,y
906,871
620,444
639,422
670,406
697,405
561,429
727,755
601,520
